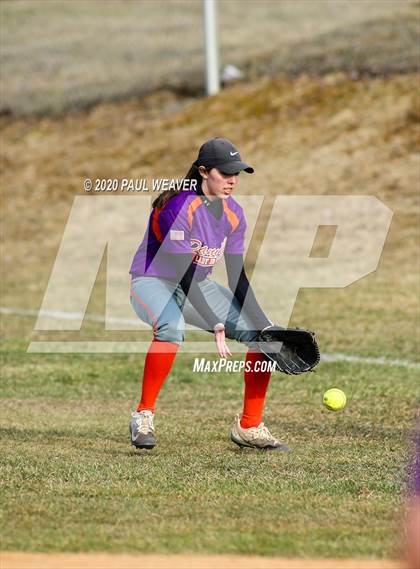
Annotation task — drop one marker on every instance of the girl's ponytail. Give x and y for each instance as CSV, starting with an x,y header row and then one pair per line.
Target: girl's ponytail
x,y
192,174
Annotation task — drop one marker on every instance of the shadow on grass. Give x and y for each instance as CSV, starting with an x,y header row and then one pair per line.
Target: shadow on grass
x,y
48,436
348,429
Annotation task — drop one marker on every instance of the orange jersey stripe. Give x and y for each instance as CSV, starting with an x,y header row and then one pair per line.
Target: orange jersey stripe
x,y
191,209
155,225
231,215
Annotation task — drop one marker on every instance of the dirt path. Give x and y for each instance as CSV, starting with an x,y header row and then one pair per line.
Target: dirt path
x,y
111,561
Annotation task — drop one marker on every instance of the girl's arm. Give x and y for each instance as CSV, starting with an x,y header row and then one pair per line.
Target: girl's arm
x,y
178,253
185,272
242,290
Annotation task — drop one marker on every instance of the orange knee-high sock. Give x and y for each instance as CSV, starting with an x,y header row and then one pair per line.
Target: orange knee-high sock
x,y
157,365
256,383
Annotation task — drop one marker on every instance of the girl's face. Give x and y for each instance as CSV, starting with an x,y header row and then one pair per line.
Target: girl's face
x,y
215,184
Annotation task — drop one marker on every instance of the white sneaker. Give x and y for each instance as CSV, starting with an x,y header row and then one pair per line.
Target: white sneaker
x,y
256,437
142,430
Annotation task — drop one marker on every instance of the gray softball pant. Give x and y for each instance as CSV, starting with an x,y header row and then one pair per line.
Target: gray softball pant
x,y
163,305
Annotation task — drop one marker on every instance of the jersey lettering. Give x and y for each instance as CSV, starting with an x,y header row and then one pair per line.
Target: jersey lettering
x,y
207,256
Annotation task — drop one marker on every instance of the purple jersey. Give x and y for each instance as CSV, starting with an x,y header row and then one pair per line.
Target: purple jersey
x,y
184,225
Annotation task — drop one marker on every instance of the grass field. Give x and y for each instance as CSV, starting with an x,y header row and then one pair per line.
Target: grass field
x,y
71,481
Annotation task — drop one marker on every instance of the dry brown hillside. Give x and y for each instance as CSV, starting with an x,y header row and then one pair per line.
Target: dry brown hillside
x,y
331,135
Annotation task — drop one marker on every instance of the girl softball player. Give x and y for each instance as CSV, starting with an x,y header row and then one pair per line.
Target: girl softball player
x,y
188,232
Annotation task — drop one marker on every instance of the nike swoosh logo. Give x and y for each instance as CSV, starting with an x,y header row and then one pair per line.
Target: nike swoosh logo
x,y
234,153
132,433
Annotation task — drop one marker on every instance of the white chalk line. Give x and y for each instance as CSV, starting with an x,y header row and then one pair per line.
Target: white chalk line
x,y
142,347
62,315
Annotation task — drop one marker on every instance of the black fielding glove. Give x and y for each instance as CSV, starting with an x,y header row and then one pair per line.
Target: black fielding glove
x,y
294,350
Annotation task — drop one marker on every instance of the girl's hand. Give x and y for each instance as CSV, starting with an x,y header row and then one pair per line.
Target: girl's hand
x,y
219,336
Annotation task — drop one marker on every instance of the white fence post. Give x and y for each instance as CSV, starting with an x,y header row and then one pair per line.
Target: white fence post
x,y
211,47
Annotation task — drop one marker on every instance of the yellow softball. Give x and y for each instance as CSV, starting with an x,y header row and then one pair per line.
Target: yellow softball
x,y
334,399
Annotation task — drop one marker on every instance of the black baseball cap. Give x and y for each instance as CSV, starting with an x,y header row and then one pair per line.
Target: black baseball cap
x,y
222,154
